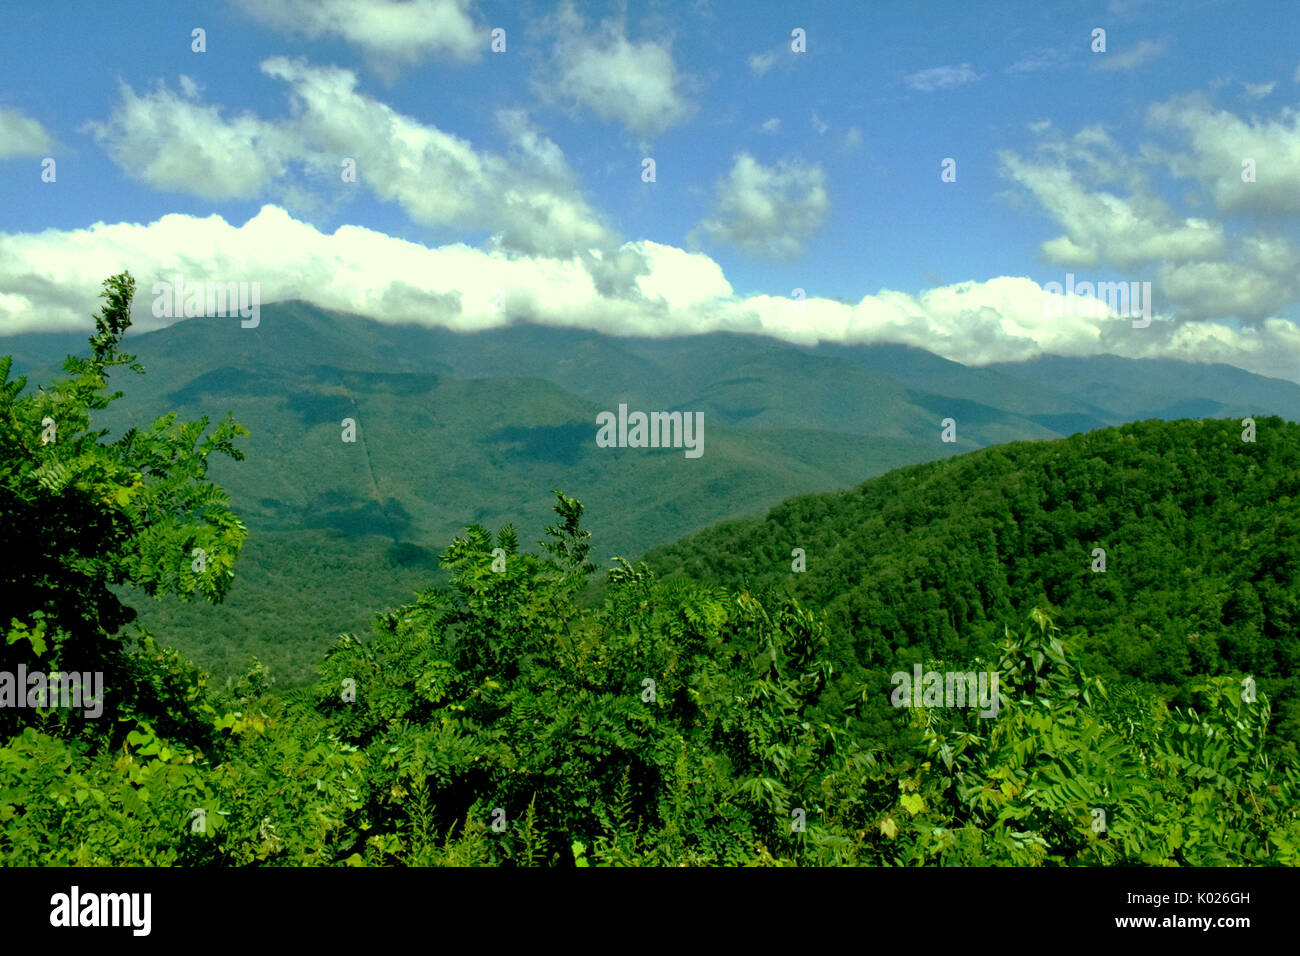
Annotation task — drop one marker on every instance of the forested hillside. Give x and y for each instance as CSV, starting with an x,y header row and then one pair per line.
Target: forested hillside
x,y
500,720
1200,531
454,428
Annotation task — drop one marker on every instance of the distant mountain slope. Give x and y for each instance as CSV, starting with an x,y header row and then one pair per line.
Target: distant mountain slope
x,y
745,379
1201,533
1160,388
997,387
339,529
456,428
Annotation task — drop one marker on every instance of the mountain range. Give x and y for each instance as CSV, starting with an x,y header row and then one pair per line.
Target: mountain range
x,y
453,428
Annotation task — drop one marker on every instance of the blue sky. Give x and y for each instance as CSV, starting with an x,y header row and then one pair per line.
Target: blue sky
x,y
774,169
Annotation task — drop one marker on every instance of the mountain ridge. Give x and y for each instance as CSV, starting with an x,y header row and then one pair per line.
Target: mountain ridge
x,y
478,427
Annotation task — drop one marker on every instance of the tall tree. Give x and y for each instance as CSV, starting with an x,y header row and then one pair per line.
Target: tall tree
x,y
81,514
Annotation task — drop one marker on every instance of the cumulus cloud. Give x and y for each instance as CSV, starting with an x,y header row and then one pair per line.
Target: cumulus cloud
x,y
1113,217
1214,143
531,203
51,279
389,33
1133,57
768,211
941,78
1100,225
175,143
528,200
602,71
1226,289
21,135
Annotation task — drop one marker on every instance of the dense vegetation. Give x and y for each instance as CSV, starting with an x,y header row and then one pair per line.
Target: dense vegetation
x,y
455,428
502,720
1201,533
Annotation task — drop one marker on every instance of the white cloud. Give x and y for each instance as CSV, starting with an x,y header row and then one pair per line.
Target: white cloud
x,y
52,277
760,63
819,124
176,144
528,200
634,83
768,211
1132,58
1112,215
1100,225
772,125
1226,289
679,278
388,32
1044,59
941,78
439,178
1217,143
1258,90
21,135
782,56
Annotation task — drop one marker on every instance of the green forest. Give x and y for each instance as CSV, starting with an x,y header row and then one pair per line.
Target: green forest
x,y
1200,531
727,701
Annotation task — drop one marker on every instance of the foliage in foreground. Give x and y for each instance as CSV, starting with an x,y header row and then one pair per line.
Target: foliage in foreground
x,y
499,720
497,701
1200,532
